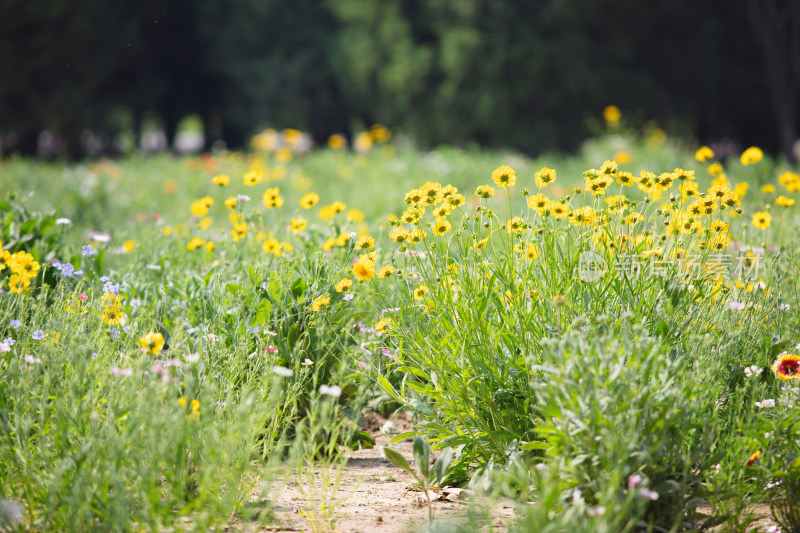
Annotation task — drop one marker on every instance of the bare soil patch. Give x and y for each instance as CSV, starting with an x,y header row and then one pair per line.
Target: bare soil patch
x,y
378,497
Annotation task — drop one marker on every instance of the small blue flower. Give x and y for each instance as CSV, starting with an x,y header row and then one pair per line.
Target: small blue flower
x,y
16,324
38,335
113,288
87,250
79,273
114,333
126,329
135,303
10,341
66,269
94,355
105,278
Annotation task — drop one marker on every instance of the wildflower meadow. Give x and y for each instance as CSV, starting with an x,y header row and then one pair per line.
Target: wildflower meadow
x,y
603,341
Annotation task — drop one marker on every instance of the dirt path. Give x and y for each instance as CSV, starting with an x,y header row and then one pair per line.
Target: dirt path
x,y
377,497
374,496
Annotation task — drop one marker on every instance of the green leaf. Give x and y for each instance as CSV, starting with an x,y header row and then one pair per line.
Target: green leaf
x,y
299,287
535,445
292,337
47,224
422,454
263,312
234,289
386,386
442,465
399,461
403,436
5,206
27,226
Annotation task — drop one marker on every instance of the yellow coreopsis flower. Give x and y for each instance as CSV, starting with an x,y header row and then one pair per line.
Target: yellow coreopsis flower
x,y
337,142
703,154
386,271
344,285
584,216
540,203
195,243
784,201
272,198
762,220
504,176
420,292
221,180
309,200
320,303
153,342
272,246
715,169
751,156
484,191
297,225
364,269
441,227
559,210
200,207
612,115
545,177
365,243
253,177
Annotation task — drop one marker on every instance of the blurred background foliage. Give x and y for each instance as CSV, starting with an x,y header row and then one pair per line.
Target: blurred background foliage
x,y
524,75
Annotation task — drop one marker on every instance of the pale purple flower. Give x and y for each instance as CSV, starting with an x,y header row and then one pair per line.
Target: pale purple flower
x,y
87,250
388,353
648,494
243,198
347,297
10,341
364,365
104,279
135,303
16,324
364,349
99,237
634,481
38,335
735,306
124,372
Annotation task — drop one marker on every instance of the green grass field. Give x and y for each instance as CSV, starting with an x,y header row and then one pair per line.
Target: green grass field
x,y
615,340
